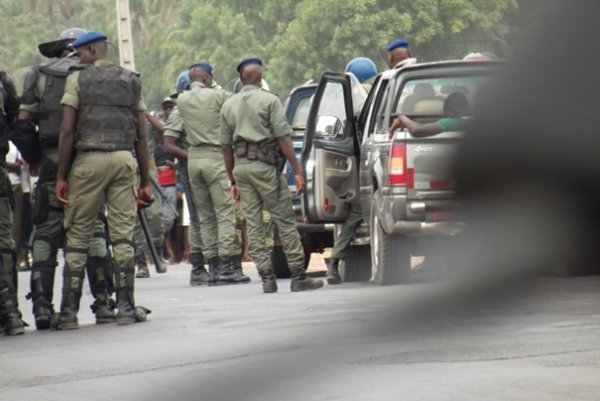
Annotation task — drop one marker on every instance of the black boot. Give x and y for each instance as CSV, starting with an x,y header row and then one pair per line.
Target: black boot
x,y
198,275
213,270
143,271
103,306
269,283
237,265
71,295
227,273
42,282
9,313
301,282
124,280
333,274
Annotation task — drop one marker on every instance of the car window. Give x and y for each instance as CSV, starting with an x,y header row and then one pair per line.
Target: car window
x,y
332,101
379,116
425,97
300,116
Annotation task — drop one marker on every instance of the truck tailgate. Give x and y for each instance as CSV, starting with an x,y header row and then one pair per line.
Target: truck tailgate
x,y
430,167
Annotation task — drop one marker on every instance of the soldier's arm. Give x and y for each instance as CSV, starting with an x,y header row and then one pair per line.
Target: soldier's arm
x,y
287,148
158,125
172,132
171,148
141,150
25,135
283,133
65,150
226,143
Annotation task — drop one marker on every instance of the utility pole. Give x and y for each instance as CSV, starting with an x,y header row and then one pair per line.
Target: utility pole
x,y
125,37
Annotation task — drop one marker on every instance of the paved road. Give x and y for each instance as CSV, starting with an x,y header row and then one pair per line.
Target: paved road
x,y
540,341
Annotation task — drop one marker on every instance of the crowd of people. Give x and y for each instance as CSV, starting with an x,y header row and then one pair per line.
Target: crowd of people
x,y
207,161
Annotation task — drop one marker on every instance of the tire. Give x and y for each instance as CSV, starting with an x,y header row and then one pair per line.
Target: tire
x,y
358,266
390,254
279,261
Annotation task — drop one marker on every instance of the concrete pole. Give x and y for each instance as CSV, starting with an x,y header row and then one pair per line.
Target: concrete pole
x,y
125,37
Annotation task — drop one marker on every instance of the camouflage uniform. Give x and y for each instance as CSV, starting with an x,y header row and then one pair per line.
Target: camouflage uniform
x,y
199,108
255,116
174,127
103,168
10,317
43,88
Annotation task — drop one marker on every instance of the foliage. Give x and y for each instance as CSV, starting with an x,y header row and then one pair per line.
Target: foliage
x,y
298,39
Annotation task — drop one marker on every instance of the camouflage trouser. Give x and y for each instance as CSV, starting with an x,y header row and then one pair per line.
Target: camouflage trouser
x,y
261,188
7,245
155,223
342,242
194,239
48,235
271,236
212,197
94,177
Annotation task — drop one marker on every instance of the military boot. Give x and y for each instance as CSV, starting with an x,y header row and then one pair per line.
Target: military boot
x,y
213,269
269,282
198,275
227,273
301,282
9,314
124,280
237,265
333,274
100,286
67,319
42,282
143,271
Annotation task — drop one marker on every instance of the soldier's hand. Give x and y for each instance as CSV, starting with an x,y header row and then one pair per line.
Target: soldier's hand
x,y
235,195
299,184
62,191
144,198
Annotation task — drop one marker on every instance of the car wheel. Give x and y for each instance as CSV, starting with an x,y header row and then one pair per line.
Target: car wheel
x,y
390,254
358,265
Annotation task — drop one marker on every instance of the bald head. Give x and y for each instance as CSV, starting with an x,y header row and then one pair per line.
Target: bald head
x,y
198,74
251,75
94,51
397,55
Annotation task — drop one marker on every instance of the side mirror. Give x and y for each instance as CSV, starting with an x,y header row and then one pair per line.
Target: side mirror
x,y
328,127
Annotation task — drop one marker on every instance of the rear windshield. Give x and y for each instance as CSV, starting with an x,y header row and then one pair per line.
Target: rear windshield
x,y
300,116
426,96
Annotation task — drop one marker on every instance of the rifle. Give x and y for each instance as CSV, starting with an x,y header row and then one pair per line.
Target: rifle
x,y
160,268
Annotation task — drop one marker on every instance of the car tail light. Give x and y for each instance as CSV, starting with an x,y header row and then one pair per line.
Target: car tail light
x,y
398,171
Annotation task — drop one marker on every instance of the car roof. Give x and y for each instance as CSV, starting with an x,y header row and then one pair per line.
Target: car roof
x,y
388,74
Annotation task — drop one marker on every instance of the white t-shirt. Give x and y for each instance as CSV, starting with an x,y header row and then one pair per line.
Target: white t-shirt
x,y
13,156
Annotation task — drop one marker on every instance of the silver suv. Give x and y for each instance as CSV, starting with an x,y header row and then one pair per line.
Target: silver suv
x,y
404,183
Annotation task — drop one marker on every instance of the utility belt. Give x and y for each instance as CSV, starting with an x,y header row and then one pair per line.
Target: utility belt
x,y
257,151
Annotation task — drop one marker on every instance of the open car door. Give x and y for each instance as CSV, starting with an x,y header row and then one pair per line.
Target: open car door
x,y
330,152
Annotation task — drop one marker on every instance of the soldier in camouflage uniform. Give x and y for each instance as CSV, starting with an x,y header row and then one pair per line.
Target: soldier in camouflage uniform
x,y
252,122
10,317
175,143
199,108
40,106
103,119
